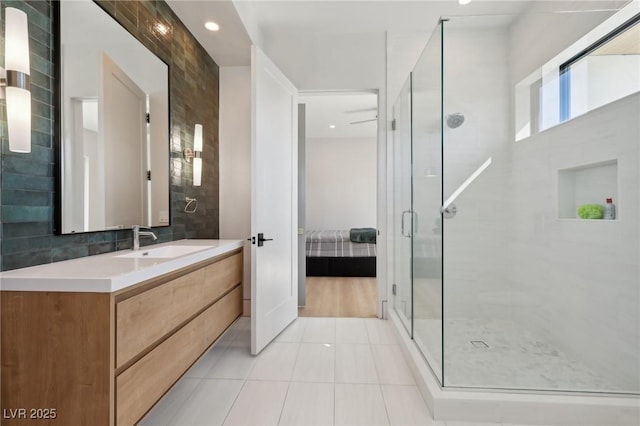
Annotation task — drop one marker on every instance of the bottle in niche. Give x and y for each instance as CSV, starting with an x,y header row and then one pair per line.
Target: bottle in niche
x,y
609,210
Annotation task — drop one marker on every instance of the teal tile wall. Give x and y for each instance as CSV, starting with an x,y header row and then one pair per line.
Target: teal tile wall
x,y
27,181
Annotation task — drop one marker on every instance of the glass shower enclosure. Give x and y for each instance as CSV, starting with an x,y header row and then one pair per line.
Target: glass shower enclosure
x,y
497,279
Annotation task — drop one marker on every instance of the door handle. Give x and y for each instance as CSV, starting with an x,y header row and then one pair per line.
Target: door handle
x,y
262,239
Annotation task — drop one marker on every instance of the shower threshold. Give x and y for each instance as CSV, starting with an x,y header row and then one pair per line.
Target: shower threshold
x,y
521,407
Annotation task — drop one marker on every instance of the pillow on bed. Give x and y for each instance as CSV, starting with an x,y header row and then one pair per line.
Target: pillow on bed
x,y
363,235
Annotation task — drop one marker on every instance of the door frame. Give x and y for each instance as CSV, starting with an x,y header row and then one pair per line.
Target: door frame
x,y
381,199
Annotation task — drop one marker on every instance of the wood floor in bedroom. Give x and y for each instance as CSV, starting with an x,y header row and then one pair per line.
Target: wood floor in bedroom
x,y
340,297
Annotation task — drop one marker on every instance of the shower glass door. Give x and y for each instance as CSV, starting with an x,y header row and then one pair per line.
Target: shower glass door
x,y
402,216
427,199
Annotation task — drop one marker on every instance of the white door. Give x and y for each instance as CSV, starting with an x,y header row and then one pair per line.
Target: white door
x,y
123,114
274,157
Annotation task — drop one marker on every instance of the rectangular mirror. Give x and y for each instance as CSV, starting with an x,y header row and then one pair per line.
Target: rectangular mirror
x,y
114,136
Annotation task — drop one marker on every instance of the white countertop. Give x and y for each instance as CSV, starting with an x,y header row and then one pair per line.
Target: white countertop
x,y
106,273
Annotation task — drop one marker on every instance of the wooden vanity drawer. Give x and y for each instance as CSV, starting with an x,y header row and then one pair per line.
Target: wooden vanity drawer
x,y
220,315
221,276
141,385
145,318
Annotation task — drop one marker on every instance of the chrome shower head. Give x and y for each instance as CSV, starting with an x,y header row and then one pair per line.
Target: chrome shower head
x,y
455,120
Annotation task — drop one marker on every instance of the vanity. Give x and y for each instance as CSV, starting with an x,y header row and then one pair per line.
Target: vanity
x,y
99,340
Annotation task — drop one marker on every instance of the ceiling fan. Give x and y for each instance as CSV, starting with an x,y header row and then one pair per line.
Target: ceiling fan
x,y
361,110
365,121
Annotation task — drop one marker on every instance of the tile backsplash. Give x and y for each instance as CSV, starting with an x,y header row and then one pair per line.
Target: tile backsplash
x,y
28,181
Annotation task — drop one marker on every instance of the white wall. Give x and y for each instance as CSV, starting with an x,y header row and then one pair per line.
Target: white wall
x,y
578,281
235,164
361,59
581,278
341,176
598,80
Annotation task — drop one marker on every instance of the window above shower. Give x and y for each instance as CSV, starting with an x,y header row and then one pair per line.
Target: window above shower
x,y
606,71
600,68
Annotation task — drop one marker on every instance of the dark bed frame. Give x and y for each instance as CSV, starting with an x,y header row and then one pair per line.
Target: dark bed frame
x,y
341,266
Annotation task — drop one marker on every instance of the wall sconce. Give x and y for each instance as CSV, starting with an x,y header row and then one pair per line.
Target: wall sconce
x,y
15,80
196,154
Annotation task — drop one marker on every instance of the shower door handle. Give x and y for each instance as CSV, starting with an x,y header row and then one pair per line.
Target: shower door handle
x,y
402,224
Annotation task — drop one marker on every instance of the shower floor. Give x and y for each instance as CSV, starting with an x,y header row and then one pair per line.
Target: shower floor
x,y
513,357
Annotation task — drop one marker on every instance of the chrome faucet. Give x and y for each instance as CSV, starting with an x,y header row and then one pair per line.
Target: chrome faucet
x,y
137,233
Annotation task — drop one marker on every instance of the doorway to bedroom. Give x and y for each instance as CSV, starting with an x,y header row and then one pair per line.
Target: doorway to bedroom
x,y
338,183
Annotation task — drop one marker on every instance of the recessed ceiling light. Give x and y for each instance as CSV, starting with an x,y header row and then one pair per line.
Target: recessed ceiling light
x,y
332,126
211,26
161,28
463,2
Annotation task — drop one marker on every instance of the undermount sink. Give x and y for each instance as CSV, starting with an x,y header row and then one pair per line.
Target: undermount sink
x,y
164,252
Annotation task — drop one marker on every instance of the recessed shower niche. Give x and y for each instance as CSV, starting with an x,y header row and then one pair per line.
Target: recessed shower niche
x,y
589,183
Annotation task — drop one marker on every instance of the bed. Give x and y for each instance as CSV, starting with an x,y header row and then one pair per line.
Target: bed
x,y
332,253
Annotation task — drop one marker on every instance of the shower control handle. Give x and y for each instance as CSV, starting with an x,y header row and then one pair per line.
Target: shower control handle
x,y
449,212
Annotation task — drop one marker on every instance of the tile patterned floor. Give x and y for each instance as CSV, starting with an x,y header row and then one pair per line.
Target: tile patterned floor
x,y
515,357
319,371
